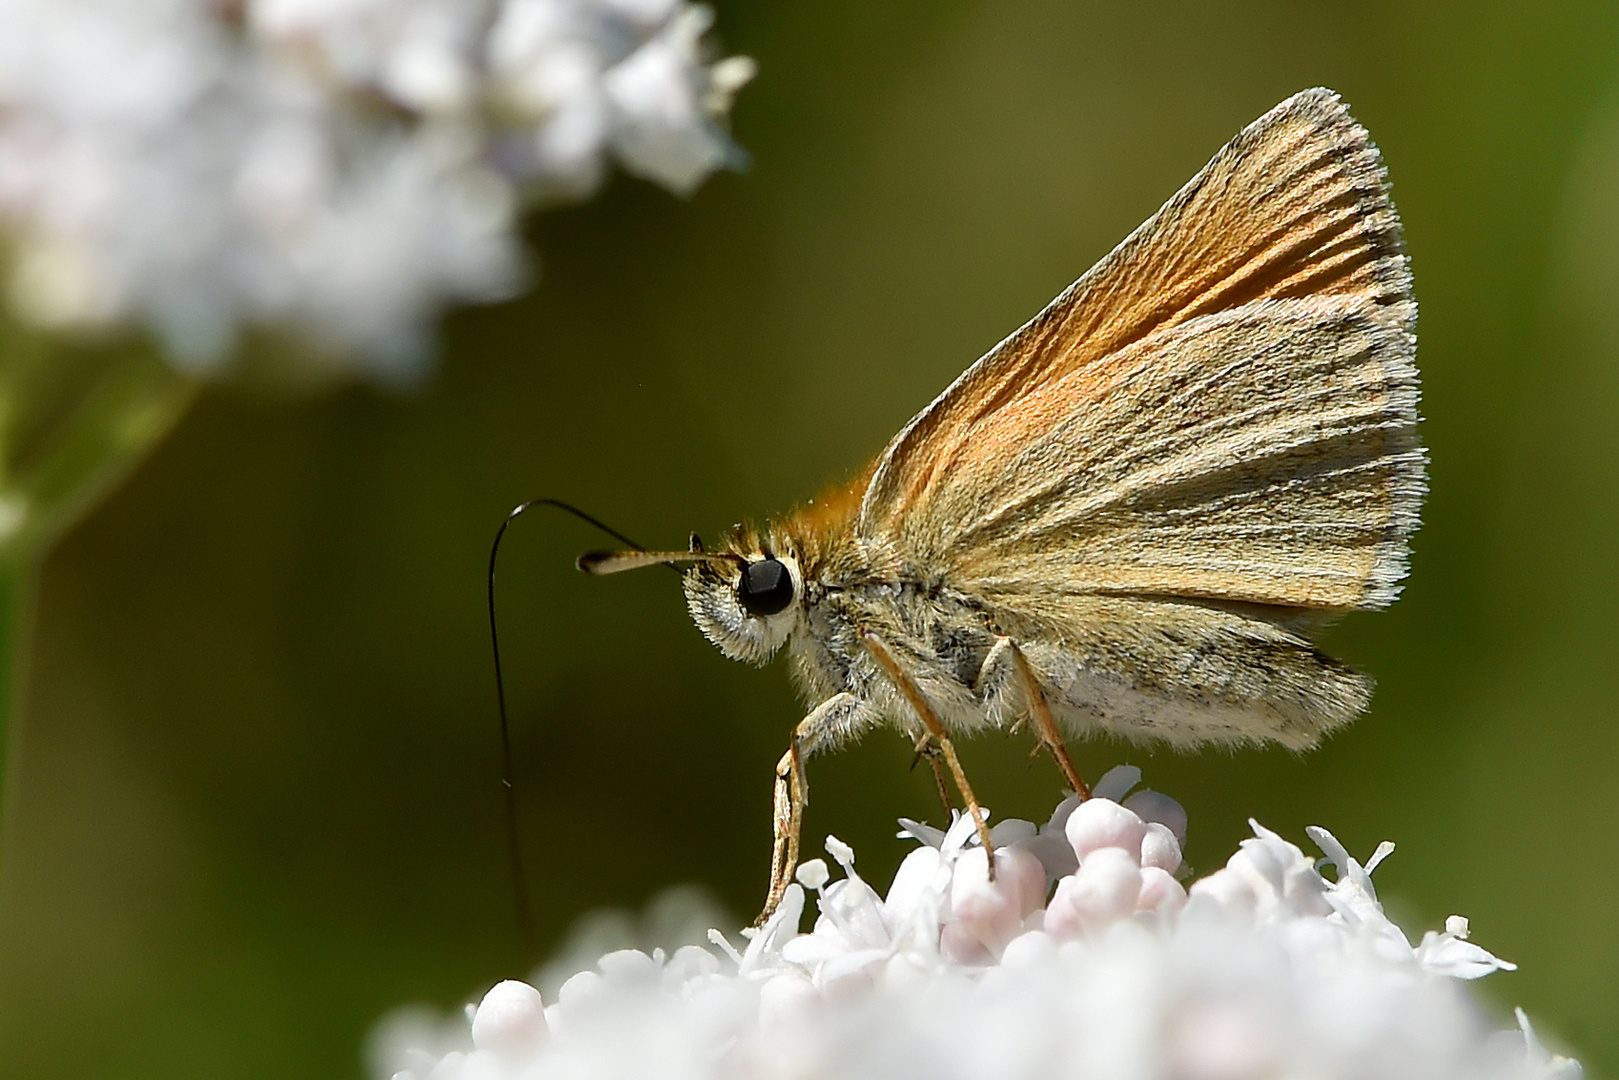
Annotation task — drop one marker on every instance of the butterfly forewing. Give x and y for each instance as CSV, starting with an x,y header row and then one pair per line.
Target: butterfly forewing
x,y
1224,407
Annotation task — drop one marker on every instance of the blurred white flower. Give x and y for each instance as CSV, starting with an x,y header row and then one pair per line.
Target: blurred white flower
x,y
344,169
1264,969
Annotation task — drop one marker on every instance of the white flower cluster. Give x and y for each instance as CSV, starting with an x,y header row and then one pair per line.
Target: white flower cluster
x,y
1263,969
342,168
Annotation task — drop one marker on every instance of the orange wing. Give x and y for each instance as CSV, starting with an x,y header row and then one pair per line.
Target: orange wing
x,y
1223,407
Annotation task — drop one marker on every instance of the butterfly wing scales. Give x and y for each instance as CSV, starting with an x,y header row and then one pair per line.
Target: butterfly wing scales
x,y
1223,407
1187,673
1264,455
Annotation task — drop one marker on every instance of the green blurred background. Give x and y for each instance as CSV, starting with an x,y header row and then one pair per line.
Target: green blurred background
x,y
257,802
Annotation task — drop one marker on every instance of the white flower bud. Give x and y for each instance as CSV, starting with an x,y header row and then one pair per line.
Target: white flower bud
x,y
1160,891
1104,889
510,1019
1160,848
1101,823
1265,969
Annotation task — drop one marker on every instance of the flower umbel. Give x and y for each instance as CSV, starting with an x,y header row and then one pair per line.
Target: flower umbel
x,y
1265,968
342,169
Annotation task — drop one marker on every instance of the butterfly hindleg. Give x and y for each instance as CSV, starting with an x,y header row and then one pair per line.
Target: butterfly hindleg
x,y
935,727
1006,654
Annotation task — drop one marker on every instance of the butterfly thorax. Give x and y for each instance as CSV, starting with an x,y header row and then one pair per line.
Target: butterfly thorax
x,y
845,586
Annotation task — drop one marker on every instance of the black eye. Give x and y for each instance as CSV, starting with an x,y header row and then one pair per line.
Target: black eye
x,y
766,587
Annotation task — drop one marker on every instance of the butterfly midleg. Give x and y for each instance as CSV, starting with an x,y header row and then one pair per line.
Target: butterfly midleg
x,y
1004,652
930,720
829,722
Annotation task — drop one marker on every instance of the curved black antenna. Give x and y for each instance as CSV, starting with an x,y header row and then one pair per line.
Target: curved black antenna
x,y
514,850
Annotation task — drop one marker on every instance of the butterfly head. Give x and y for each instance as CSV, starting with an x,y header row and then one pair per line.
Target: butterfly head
x,y
748,604
746,599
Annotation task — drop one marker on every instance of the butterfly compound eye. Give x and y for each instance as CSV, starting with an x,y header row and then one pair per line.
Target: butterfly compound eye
x,y
766,587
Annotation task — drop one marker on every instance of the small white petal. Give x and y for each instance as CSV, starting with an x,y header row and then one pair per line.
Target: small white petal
x,y
922,834
1059,816
1012,831
1116,783
1265,969
1155,806
1449,955
917,875
1055,853
962,832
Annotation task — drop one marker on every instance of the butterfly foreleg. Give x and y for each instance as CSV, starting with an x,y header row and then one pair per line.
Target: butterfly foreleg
x,y
1007,662
833,720
936,731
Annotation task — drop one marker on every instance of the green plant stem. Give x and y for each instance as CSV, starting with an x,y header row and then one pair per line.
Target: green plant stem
x,y
17,582
73,424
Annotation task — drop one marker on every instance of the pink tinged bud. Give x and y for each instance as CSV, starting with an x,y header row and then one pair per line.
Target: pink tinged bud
x,y
1160,891
1104,889
1159,848
992,912
787,1002
629,966
1218,1041
959,944
1259,873
973,896
1098,823
906,977
1226,890
1029,950
580,987
510,1019
450,1064
1022,871
689,962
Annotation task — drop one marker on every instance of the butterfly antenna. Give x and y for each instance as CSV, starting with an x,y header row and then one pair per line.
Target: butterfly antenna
x,y
514,849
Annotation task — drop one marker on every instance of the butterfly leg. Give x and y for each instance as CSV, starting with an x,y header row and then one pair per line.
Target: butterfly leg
x,y
927,749
940,737
836,718
1006,652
